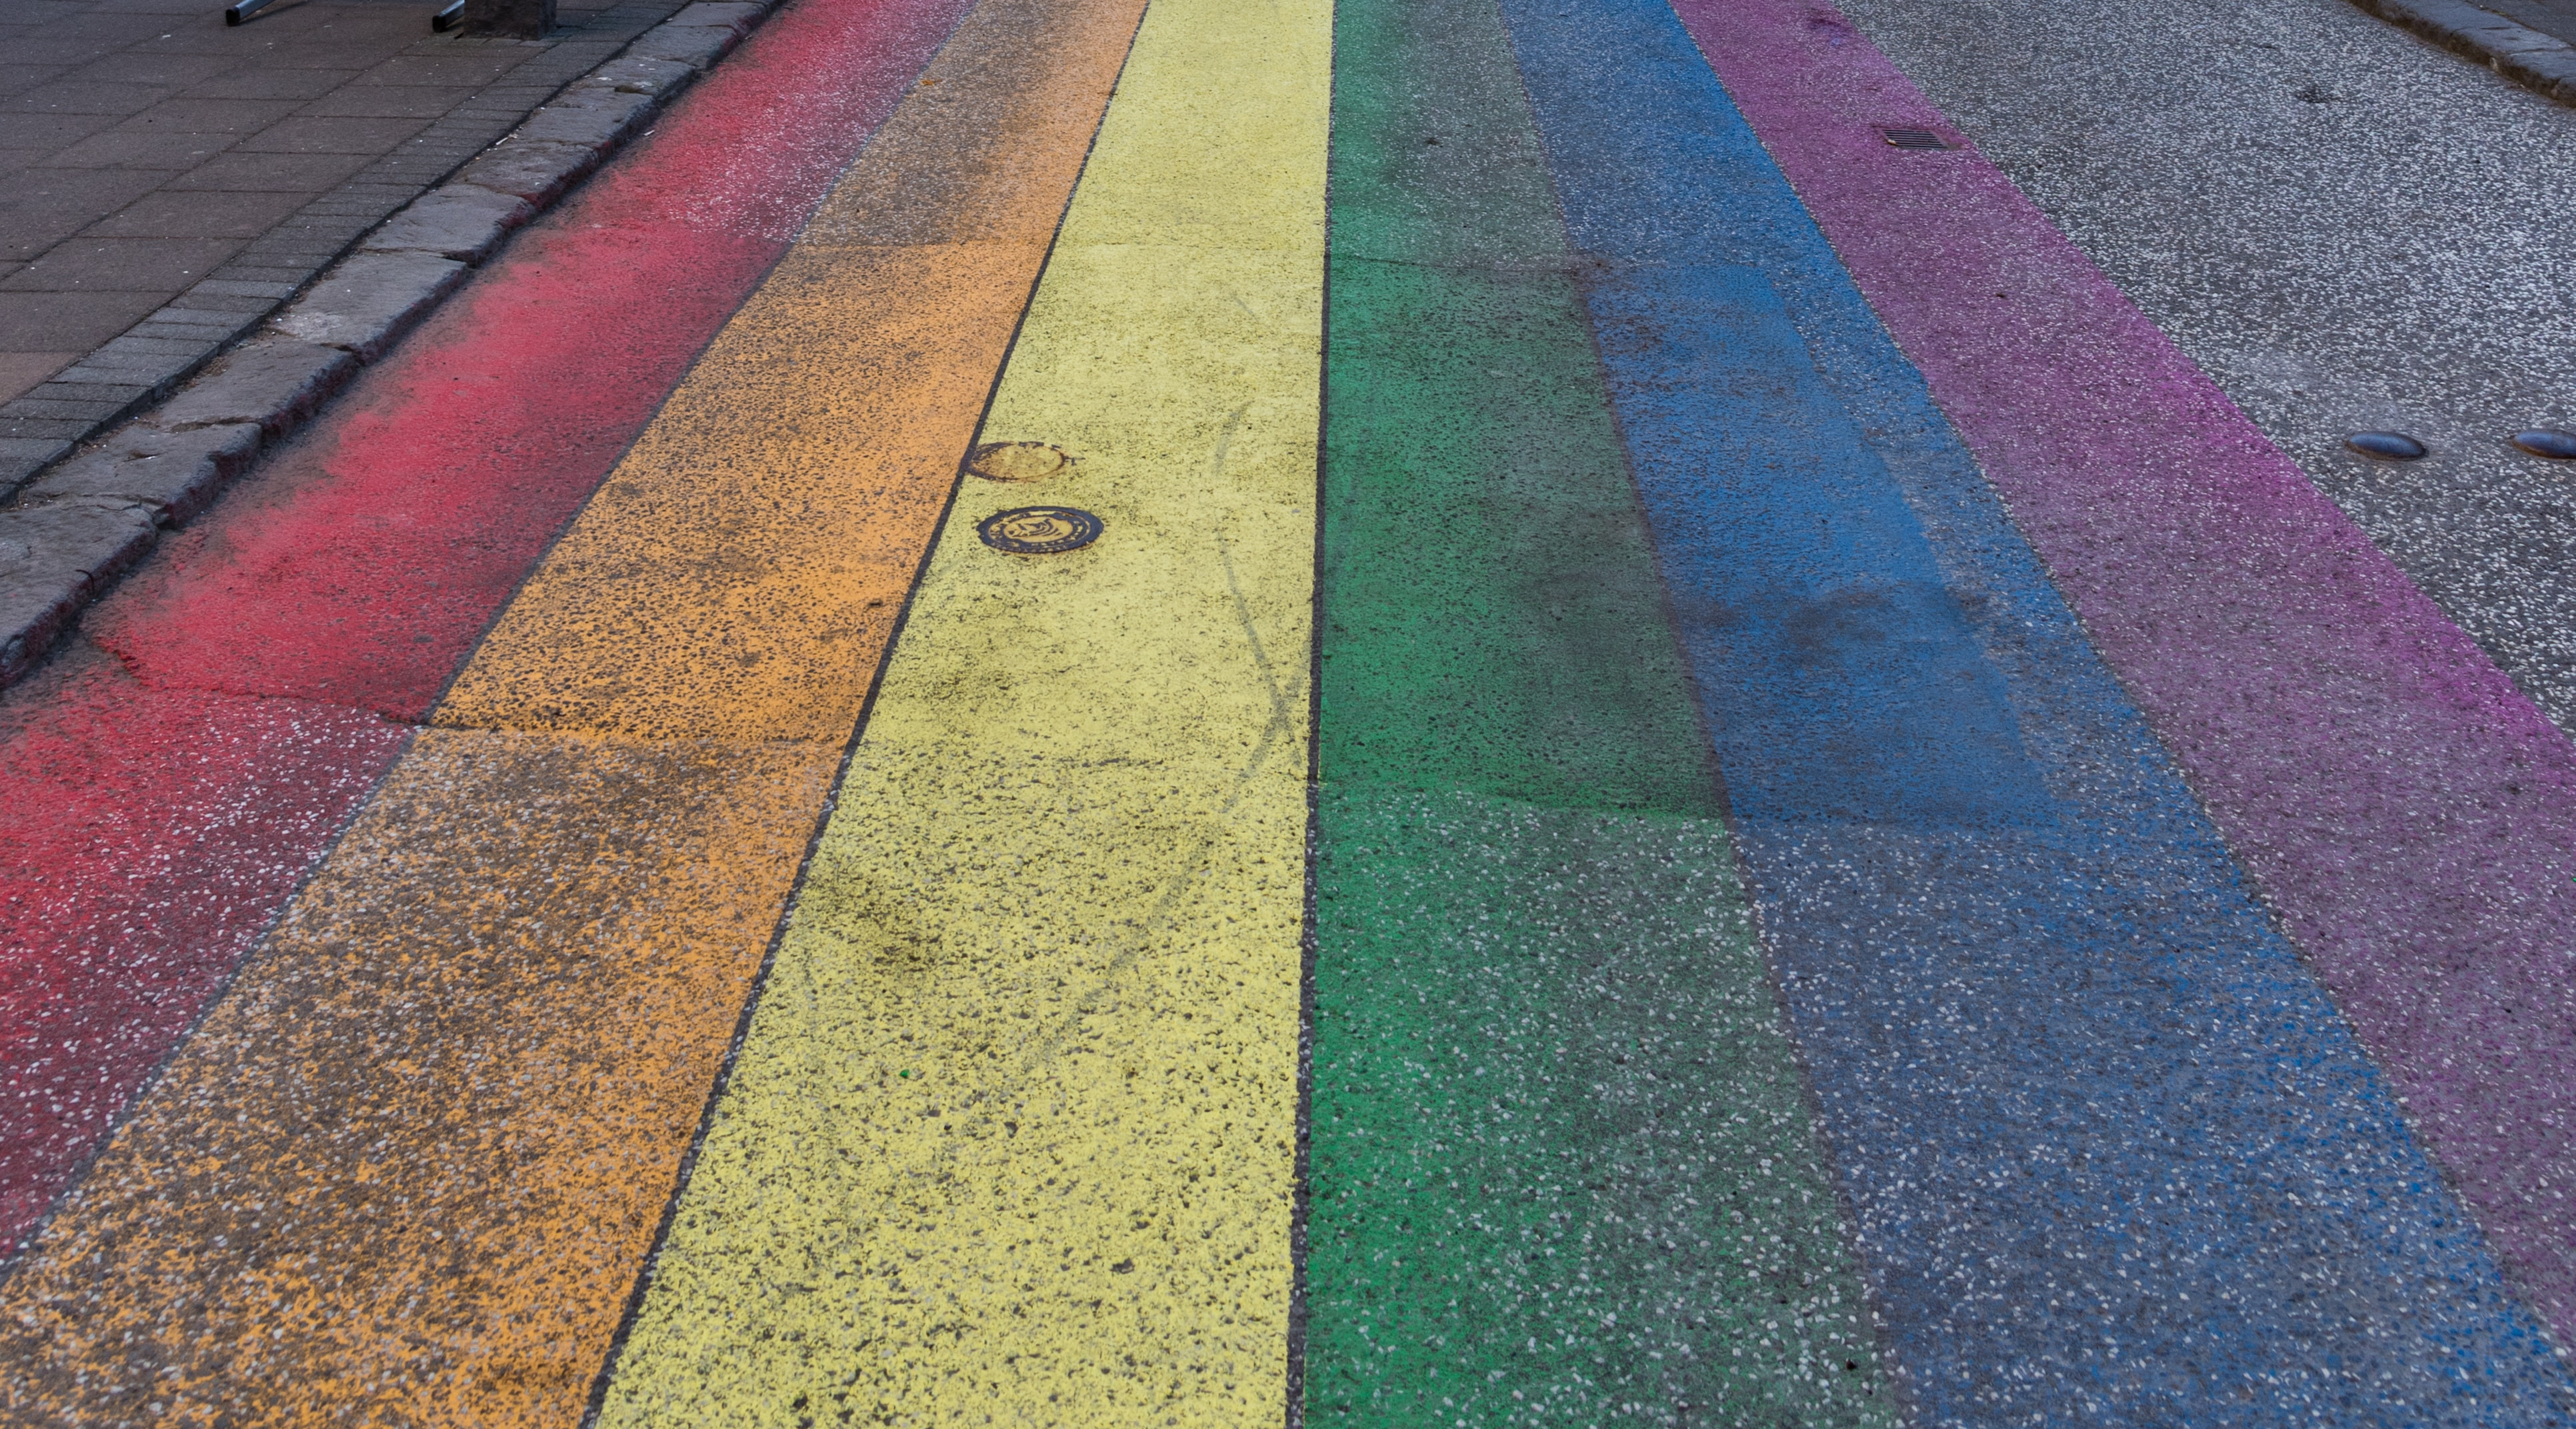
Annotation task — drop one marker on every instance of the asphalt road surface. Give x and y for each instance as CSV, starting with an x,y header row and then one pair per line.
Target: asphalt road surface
x,y
1396,712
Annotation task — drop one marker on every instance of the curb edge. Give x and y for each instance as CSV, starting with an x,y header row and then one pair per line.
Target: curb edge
x,y
454,225
2540,63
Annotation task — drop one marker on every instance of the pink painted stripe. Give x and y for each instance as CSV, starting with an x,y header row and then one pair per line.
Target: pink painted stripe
x,y
162,805
2410,813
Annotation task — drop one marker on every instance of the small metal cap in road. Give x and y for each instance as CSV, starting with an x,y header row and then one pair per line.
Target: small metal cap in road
x,y
2543,442
1017,461
2385,446
1039,530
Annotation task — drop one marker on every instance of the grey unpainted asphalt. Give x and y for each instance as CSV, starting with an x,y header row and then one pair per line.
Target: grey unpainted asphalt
x,y
2346,226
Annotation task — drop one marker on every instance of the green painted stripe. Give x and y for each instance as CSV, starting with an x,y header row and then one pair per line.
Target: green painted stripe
x,y
1562,1171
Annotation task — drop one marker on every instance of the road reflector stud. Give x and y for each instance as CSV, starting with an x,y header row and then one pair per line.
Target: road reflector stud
x,y
1039,530
2386,446
1017,461
1916,139
2542,442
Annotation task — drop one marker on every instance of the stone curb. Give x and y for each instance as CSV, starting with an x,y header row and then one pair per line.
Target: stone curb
x,y
367,302
2538,62
463,221
84,508
272,384
175,474
56,559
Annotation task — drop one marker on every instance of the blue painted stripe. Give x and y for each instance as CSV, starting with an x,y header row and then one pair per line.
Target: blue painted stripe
x,y
2114,1155
1855,687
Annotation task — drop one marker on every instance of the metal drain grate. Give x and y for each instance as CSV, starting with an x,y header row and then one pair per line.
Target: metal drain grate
x,y
1912,138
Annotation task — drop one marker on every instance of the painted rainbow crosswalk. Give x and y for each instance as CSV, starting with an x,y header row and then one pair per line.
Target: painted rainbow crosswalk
x,y
1571,834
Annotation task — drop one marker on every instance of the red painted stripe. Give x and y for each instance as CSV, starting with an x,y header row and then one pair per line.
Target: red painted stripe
x,y
160,816
152,834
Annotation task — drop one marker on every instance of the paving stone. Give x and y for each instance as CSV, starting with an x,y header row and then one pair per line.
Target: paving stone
x,y
187,313
298,83
72,96
33,405
308,231
186,322
40,428
176,474
368,207
286,249
193,332
367,303
235,288
459,221
135,265
132,345
141,149
289,278
275,382
208,310
303,265
136,371
23,457
53,559
357,191
91,391
535,170
436,162
498,117
68,322
307,173
519,100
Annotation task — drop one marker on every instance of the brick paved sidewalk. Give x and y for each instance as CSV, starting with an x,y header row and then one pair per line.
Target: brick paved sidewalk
x,y
166,181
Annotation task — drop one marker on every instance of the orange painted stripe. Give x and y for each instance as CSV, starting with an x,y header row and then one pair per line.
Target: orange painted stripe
x,y
408,1170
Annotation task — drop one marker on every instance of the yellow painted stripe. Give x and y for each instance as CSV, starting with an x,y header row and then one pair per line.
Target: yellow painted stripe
x,y
1011,1138
409,1169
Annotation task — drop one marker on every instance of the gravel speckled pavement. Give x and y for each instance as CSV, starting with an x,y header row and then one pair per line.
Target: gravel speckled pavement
x,y
2345,230
1374,712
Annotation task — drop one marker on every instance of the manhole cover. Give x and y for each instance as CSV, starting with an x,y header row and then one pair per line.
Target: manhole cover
x,y
1039,530
1017,461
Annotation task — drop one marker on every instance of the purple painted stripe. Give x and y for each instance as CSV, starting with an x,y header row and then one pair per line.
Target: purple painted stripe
x,y
2410,813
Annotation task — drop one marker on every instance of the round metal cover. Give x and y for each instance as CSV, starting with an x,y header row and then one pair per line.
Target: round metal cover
x,y
2542,442
1039,530
1017,461
2385,446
